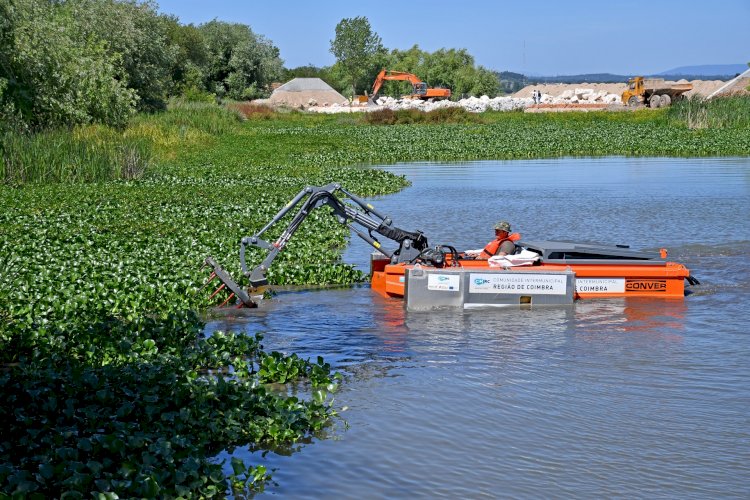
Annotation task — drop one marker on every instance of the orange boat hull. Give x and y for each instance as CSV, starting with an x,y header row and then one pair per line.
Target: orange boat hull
x,y
665,280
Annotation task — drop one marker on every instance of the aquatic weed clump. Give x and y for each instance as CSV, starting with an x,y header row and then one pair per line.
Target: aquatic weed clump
x,y
388,116
143,416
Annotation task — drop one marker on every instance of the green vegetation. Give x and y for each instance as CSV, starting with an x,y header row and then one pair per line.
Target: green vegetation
x,y
52,73
387,116
354,47
360,56
110,385
445,68
239,63
725,112
98,61
108,382
76,62
84,154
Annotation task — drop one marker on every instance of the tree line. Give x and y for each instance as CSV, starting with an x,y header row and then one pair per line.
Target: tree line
x,y
360,55
79,61
70,62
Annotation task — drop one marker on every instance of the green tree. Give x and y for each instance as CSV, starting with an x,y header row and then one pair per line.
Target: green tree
x,y
309,71
137,34
355,47
53,73
240,63
192,56
450,68
254,64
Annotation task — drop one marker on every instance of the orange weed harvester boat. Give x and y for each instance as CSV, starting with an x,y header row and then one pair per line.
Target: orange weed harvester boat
x,y
600,270
540,272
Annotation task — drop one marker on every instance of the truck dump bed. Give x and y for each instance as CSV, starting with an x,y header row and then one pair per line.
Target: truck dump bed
x,y
659,84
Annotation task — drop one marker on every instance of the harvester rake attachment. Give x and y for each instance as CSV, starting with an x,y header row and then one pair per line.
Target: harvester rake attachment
x,y
355,211
227,282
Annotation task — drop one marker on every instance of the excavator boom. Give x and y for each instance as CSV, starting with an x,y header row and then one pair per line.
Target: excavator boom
x,y
420,89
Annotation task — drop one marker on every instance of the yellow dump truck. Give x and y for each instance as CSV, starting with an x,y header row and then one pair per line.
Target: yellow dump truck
x,y
653,92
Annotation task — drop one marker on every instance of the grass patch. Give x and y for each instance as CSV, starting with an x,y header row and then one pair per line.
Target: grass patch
x,y
204,117
721,112
96,153
84,154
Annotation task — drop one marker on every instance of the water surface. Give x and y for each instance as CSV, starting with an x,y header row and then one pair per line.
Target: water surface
x,y
609,397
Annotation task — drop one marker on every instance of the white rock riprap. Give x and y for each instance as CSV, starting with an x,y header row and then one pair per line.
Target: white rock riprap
x,y
470,104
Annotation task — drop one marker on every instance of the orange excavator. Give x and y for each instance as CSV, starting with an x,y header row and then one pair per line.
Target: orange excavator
x,y
419,88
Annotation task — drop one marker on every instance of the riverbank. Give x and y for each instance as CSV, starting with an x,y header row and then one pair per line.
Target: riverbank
x,y
98,277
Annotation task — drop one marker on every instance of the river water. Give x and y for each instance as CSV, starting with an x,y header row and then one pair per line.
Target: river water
x,y
605,398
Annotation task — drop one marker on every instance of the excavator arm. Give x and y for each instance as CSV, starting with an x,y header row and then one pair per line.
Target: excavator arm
x,y
393,75
361,217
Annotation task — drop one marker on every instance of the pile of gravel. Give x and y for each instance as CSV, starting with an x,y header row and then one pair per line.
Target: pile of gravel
x,y
305,92
471,104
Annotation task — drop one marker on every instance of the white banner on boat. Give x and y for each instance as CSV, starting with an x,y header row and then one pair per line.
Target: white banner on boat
x,y
518,283
600,285
449,282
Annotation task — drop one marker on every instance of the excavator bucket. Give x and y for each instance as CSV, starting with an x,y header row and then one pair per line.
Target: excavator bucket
x,y
225,282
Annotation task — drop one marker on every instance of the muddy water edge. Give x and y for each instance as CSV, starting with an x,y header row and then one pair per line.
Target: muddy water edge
x,y
605,398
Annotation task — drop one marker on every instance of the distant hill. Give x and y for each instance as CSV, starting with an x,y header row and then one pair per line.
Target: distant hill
x,y
726,70
511,82
589,78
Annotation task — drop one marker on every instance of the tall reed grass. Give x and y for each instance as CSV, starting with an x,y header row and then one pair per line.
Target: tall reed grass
x,y
201,116
91,153
721,112
96,153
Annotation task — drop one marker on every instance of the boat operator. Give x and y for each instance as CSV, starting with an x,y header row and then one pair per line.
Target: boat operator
x,y
502,245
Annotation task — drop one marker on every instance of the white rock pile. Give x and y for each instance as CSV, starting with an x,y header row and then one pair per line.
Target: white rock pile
x,y
582,96
471,104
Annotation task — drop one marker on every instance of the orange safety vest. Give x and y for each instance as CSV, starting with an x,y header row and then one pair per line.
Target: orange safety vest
x,y
494,245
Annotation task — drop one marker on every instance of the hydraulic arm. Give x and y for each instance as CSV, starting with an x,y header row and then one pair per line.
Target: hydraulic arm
x,y
361,217
419,88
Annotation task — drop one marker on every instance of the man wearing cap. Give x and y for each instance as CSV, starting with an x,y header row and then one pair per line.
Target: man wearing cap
x,y
501,245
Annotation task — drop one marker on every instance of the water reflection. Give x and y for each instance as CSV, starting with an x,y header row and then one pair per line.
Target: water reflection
x,y
631,315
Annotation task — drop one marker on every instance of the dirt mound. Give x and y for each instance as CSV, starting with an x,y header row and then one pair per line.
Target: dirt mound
x,y
741,86
704,88
305,92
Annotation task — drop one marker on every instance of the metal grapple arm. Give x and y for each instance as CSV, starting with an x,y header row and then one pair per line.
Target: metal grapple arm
x,y
364,215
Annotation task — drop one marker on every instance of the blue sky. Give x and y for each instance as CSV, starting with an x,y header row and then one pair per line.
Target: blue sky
x,y
541,38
